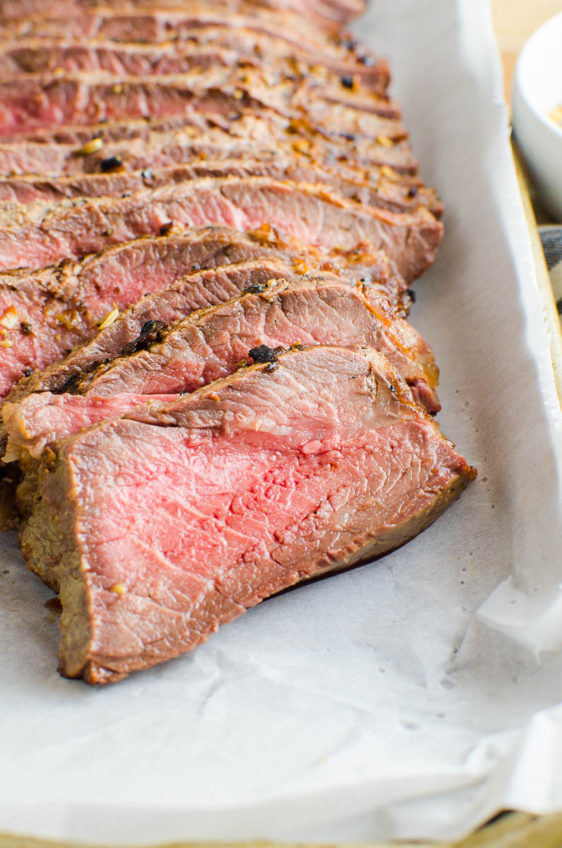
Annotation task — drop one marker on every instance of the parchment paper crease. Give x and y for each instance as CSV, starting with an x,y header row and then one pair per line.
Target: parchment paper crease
x,y
410,698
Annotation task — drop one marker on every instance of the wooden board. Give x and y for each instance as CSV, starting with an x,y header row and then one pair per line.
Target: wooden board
x,y
515,830
514,21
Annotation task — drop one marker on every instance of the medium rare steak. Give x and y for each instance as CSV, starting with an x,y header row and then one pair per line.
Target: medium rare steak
x,y
396,195
239,307
35,101
328,14
210,343
206,45
214,395
50,417
47,326
43,56
45,313
308,464
44,417
155,26
69,150
37,234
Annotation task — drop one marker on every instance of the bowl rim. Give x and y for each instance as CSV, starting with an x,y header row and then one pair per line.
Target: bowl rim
x,y
519,87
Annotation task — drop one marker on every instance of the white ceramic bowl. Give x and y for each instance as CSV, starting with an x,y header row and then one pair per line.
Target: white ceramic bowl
x,y
537,90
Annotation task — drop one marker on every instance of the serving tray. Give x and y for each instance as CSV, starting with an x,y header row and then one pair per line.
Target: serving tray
x,y
464,557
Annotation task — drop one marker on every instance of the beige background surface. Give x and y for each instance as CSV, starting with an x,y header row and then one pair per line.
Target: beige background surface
x,y
515,20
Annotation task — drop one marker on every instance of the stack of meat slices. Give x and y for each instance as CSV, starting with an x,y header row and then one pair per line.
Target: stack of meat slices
x,y
210,218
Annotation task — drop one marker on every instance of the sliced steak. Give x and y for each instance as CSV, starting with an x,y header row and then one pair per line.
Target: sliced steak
x,y
210,343
154,26
147,145
120,130
327,14
280,85
397,195
60,324
45,313
45,57
207,45
37,234
145,326
35,101
175,520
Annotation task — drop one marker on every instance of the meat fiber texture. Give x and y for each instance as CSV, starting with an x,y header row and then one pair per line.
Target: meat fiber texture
x,y
209,343
139,354
155,26
198,136
293,456
402,196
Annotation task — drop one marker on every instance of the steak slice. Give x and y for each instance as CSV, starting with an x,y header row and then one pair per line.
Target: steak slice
x,y
328,14
154,26
164,525
146,145
51,417
43,418
210,343
37,234
35,101
207,45
45,56
45,313
61,324
249,161
105,131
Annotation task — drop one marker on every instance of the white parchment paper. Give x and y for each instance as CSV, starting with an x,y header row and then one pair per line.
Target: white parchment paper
x,y
411,698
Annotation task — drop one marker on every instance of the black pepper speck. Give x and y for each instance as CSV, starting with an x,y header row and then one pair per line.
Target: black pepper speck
x,y
110,164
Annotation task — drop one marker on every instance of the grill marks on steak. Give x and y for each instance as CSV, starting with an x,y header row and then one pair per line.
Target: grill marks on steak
x,y
317,464
37,234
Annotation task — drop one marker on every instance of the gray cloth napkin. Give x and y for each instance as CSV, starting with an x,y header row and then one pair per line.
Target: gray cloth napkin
x,y
551,238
